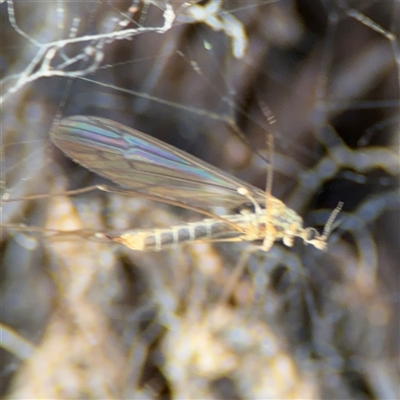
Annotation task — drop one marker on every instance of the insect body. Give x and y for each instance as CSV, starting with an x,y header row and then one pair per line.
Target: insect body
x,y
147,167
232,228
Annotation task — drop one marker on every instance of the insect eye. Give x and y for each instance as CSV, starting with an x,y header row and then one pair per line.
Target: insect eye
x,y
310,234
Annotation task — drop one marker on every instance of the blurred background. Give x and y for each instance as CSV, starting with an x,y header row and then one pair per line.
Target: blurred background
x,y
85,319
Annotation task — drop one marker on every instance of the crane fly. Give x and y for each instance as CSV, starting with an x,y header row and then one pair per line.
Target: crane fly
x,y
147,167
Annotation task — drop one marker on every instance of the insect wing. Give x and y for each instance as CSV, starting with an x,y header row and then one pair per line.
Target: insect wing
x,y
146,165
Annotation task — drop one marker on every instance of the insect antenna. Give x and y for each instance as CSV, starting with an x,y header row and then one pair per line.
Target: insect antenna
x,y
311,235
331,220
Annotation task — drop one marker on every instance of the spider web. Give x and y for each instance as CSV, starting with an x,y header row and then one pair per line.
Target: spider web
x,y
81,318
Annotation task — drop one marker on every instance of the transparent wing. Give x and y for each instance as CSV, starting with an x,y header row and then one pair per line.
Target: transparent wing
x,y
146,165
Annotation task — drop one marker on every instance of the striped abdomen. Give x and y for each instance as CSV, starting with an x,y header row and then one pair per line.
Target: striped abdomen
x,y
207,230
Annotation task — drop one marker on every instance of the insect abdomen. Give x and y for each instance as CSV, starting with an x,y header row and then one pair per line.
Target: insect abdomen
x,y
159,239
